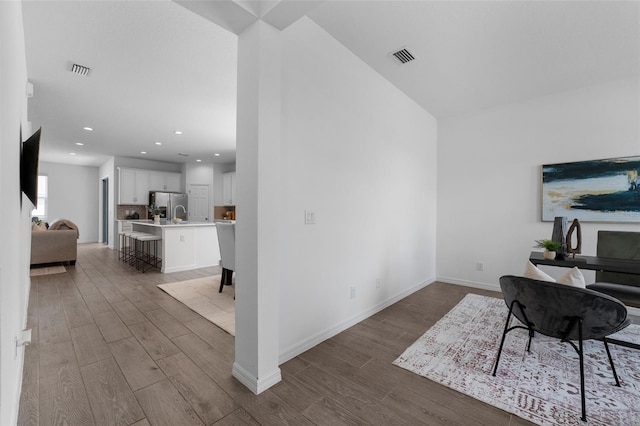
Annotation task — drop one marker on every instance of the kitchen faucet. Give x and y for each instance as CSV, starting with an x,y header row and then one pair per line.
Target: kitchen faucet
x,y
176,209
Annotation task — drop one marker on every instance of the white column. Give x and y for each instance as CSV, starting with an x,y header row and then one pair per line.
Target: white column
x,y
258,196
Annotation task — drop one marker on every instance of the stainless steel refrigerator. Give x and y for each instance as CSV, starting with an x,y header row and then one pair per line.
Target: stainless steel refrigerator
x,y
170,204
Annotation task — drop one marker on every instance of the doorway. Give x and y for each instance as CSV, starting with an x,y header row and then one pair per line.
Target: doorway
x,y
105,211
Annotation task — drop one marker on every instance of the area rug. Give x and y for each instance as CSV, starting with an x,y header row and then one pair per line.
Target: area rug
x,y
201,295
542,386
47,270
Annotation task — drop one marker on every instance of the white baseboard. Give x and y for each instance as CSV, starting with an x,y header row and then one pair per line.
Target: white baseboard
x,y
254,384
483,286
321,336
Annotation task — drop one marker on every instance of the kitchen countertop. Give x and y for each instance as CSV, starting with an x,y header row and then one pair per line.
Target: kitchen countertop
x,y
169,224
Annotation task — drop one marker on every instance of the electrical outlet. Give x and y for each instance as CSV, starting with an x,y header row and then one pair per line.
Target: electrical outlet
x,y
479,266
182,238
353,292
378,285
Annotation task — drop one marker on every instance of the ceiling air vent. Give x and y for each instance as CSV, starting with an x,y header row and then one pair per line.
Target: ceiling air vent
x,y
80,70
183,154
403,55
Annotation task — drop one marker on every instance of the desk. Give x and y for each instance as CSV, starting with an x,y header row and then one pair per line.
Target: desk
x,y
591,263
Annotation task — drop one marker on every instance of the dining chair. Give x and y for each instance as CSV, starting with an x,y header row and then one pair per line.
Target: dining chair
x,y
227,243
564,312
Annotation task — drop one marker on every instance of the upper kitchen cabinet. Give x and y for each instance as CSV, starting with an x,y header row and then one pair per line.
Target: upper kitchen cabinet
x,y
165,181
229,188
134,186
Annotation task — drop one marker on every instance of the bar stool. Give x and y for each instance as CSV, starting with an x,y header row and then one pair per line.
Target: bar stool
x,y
130,253
121,248
146,256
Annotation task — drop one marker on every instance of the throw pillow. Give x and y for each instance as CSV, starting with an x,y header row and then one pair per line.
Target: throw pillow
x,y
535,273
36,227
573,278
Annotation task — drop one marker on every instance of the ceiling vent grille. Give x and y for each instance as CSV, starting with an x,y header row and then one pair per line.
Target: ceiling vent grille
x,y
80,70
403,55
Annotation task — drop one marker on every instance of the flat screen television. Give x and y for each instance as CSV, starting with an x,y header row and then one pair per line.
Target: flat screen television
x,y
29,166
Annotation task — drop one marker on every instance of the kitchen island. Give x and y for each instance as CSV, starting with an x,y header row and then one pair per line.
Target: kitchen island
x,y
184,246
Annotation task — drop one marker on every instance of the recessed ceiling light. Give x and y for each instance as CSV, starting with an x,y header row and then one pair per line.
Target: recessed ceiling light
x,y
79,143
198,161
72,153
158,143
216,155
177,132
143,152
88,129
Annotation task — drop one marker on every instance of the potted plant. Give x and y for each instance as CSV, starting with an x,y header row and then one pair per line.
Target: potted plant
x,y
550,247
155,211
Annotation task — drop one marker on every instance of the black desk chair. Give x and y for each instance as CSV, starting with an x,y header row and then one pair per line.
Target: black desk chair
x,y
563,312
619,245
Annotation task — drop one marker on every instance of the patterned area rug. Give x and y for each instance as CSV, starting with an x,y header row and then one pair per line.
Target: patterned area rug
x,y
201,295
47,270
542,386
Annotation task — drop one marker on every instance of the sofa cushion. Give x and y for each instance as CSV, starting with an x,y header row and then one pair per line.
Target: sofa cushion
x,y
58,224
38,228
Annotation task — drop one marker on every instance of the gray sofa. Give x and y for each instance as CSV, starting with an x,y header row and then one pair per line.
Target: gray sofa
x,y
57,244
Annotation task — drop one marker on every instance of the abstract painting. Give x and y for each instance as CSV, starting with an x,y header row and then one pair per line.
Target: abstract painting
x,y
592,191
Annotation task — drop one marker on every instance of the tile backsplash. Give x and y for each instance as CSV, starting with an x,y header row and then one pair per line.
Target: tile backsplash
x,y
224,212
125,210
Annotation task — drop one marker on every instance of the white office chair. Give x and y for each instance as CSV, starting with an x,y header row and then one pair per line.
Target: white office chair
x,y
227,244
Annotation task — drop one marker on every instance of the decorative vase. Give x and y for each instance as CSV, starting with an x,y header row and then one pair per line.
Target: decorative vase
x,y
560,226
156,218
549,255
575,226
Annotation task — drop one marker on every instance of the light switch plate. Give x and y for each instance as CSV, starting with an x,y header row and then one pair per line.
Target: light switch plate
x,y
309,217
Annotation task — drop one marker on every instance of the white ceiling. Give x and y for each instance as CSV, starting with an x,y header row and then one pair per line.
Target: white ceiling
x,y
472,55
155,66
159,67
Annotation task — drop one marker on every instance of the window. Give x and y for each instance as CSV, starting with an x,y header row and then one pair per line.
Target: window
x,y
41,209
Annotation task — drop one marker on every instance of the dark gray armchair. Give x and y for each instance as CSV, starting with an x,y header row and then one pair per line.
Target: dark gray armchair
x,y
568,313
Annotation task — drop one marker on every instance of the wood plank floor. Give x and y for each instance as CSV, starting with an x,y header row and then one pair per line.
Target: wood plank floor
x,y
110,348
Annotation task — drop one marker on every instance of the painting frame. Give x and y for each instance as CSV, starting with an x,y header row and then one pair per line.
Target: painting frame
x,y
605,190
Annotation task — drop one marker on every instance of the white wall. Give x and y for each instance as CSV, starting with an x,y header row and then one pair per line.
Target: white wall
x,y
489,174
74,195
15,214
361,155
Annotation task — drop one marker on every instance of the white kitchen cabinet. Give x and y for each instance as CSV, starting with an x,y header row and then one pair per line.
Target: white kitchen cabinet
x,y
156,181
172,182
229,188
142,187
134,186
127,193
164,181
